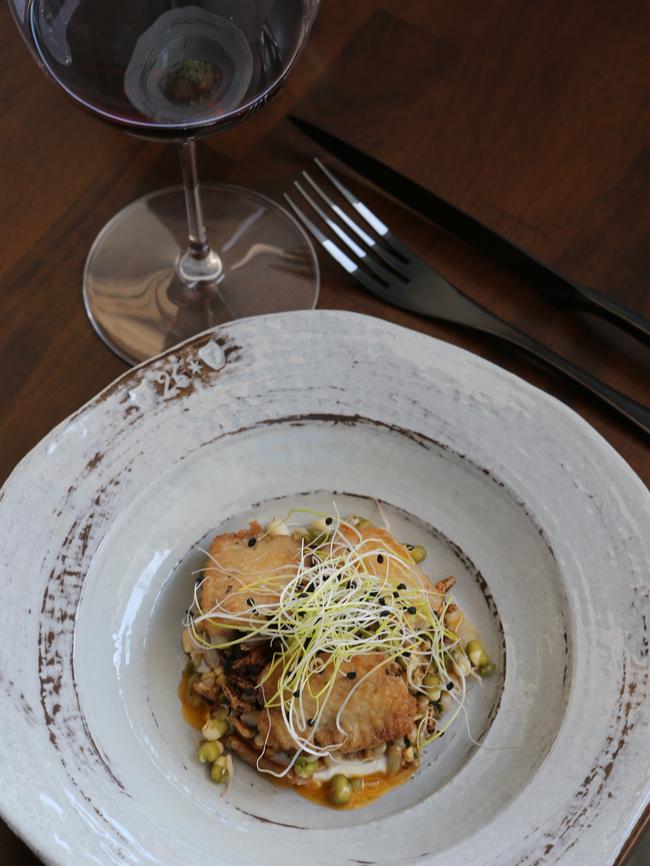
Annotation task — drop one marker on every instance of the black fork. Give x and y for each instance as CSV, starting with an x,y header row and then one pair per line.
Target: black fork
x,y
373,256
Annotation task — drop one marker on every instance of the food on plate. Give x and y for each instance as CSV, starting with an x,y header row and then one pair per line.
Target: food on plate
x,y
324,656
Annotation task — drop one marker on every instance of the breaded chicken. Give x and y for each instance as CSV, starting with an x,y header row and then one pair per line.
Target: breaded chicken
x,y
397,569
237,571
381,708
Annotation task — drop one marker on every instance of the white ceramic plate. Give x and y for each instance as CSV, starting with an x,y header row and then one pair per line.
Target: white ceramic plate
x,y
545,526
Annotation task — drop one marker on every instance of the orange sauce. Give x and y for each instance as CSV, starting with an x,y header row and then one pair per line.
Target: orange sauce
x,y
196,716
375,786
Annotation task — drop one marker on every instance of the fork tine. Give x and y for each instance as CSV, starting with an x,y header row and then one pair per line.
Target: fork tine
x,y
387,255
334,251
358,251
372,219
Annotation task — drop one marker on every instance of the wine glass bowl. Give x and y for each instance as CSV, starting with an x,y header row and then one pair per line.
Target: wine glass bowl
x,y
167,69
178,70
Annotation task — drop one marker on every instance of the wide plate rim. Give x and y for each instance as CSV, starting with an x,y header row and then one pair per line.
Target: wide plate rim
x,y
512,378
562,411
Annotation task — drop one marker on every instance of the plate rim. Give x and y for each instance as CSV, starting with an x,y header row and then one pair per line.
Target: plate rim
x,y
569,416
570,413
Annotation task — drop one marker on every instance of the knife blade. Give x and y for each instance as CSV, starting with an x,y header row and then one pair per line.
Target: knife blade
x,y
435,208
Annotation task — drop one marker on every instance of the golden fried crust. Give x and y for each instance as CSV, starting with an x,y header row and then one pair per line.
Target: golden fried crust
x,y
396,569
381,708
236,572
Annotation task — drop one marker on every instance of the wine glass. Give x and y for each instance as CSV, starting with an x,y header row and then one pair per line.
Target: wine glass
x,y
180,260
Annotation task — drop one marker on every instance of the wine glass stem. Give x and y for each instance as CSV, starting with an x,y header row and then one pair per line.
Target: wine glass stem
x,y
199,263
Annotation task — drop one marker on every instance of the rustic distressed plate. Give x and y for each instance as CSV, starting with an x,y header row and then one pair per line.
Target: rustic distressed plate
x,y
544,524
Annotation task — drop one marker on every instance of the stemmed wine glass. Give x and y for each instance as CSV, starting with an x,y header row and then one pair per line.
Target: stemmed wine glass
x,y
179,70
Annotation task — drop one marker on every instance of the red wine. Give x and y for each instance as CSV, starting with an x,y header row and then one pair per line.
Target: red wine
x,y
169,69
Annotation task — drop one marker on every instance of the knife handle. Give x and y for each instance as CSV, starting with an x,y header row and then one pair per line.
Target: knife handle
x,y
632,411
594,302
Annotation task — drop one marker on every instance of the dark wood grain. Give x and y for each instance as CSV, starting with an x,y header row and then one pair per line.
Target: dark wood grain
x,y
534,117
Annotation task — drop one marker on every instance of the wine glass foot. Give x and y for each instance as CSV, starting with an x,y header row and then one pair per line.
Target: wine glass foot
x,y
133,291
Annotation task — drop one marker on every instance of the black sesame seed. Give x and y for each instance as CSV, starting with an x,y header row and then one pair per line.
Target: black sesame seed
x,y
373,593
351,675
409,546
380,558
381,599
401,586
412,609
303,595
329,521
450,686
252,542
384,612
407,654
296,694
310,722
250,602
395,594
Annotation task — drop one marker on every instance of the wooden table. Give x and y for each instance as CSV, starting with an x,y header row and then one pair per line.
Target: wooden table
x,y
535,119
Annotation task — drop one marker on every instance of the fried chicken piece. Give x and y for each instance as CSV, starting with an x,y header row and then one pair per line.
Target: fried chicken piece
x,y
381,708
237,571
397,569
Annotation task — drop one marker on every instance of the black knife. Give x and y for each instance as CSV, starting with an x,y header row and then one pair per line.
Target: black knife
x,y
462,225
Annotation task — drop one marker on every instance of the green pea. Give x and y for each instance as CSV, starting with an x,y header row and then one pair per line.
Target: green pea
x,y
432,686
418,553
305,767
339,790
477,654
219,774
215,729
210,751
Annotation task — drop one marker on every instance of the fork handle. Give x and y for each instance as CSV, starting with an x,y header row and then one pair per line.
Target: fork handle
x,y
635,412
